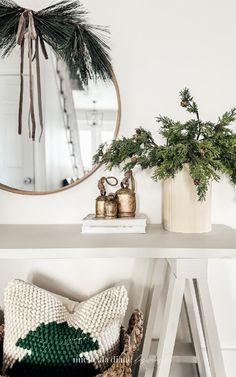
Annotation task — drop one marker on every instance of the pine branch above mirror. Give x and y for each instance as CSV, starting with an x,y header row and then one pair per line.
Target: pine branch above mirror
x,y
65,28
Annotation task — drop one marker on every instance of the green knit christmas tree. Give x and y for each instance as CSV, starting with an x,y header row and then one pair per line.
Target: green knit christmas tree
x,y
56,344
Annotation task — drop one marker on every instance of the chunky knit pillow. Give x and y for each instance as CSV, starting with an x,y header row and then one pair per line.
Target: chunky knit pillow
x,y
46,338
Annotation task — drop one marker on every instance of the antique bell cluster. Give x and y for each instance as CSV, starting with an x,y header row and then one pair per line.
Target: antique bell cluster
x,y
122,203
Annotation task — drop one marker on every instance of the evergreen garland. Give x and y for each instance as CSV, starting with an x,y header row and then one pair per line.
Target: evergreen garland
x,y
208,148
65,28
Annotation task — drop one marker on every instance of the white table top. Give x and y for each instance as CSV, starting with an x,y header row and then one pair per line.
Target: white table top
x,y
66,242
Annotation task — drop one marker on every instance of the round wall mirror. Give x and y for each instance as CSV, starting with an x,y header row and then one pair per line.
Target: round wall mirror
x,y
76,121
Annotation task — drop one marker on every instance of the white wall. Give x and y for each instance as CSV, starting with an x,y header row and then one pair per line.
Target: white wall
x,y
158,47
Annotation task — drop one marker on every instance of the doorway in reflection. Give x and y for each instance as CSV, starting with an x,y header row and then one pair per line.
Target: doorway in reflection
x,y
76,121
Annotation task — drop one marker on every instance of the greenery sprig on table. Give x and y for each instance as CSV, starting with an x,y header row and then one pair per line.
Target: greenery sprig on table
x,y
208,148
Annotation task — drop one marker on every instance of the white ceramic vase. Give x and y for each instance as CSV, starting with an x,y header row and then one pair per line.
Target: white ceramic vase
x,y
181,210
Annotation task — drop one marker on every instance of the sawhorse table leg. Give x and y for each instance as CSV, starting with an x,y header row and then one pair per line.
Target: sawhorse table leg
x,y
187,281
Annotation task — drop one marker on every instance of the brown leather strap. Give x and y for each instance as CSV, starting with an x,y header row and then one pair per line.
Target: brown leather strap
x,y
31,26
21,86
26,26
20,35
39,86
20,40
29,125
31,89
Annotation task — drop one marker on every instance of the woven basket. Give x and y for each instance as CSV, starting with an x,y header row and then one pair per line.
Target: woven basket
x,y
130,340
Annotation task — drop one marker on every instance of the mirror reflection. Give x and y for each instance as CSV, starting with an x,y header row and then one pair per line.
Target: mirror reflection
x,y
76,122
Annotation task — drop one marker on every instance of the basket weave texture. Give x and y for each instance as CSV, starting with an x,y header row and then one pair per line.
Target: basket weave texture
x,y
130,341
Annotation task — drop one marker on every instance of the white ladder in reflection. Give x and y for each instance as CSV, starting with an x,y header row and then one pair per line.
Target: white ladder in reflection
x,y
70,117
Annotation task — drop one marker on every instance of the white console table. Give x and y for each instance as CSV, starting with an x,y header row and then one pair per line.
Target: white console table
x,y
66,241
187,256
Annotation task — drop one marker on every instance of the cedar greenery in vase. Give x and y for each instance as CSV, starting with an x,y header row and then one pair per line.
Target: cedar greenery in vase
x,y
209,149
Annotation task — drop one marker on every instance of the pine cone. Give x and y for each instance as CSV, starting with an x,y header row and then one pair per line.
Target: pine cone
x,y
134,158
202,152
196,182
184,103
218,127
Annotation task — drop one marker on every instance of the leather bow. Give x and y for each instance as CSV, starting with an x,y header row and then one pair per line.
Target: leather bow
x,y
27,30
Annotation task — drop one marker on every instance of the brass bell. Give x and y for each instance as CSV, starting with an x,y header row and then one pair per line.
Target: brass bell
x,y
111,207
126,197
102,198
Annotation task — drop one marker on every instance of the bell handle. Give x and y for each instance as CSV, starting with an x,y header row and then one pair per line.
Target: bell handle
x,y
101,186
128,177
115,183
103,180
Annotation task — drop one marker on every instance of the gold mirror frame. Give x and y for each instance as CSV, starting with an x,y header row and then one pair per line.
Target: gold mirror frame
x,y
25,192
